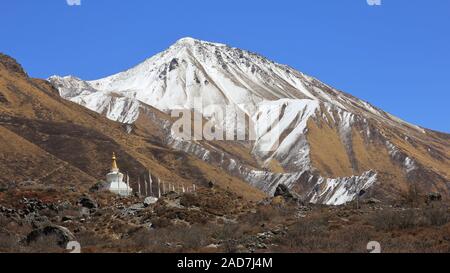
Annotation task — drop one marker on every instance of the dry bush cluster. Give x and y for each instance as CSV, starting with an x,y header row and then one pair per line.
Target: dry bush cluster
x,y
175,238
402,219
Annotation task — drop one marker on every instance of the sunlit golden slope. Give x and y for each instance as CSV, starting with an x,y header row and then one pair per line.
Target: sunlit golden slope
x,y
50,140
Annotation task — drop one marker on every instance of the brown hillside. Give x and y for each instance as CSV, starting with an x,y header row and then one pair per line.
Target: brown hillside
x,y
43,133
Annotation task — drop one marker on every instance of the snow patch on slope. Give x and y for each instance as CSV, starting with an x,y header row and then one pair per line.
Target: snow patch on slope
x,y
281,131
339,191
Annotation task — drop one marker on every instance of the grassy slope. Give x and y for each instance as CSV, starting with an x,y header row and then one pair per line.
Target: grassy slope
x,y
52,133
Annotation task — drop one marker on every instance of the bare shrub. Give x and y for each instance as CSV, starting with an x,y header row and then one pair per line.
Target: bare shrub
x,y
436,216
172,239
7,243
89,241
3,220
231,231
350,239
189,200
266,214
45,244
229,236
308,235
195,237
388,220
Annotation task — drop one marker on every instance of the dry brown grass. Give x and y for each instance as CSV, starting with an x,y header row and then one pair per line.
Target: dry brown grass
x,y
328,153
389,220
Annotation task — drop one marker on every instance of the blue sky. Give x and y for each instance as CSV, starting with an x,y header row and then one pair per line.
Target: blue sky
x,y
396,56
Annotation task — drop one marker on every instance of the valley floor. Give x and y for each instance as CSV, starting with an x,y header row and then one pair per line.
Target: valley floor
x,y
38,218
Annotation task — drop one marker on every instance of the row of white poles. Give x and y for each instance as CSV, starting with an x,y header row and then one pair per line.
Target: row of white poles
x,y
148,187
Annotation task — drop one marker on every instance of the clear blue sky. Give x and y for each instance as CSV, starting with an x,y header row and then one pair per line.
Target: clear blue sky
x,y
396,56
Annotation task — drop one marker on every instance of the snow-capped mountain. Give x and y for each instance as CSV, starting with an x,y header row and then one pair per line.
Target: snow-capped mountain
x,y
326,133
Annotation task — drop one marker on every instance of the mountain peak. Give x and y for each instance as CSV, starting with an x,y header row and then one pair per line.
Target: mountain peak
x,y
187,40
192,41
289,112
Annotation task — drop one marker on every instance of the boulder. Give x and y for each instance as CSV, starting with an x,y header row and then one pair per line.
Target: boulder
x,y
87,202
84,212
283,191
434,197
150,201
61,234
66,219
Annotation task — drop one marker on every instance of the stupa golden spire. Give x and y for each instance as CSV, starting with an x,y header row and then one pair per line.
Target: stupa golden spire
x,y
114,163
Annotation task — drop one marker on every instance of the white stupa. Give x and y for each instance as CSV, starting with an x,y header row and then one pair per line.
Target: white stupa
x,y
115,180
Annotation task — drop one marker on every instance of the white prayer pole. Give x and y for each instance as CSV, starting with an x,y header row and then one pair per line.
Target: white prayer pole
x,y
146,187
184,190
151,183
139,186
164,187
194,188
128,185
159,188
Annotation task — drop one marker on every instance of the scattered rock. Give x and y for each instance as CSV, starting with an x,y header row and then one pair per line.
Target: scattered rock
x,y
138,206
261,246
373,201
132,210
84,212
64,205
213,246
149,226
36,220
66,219
34,205
11,213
